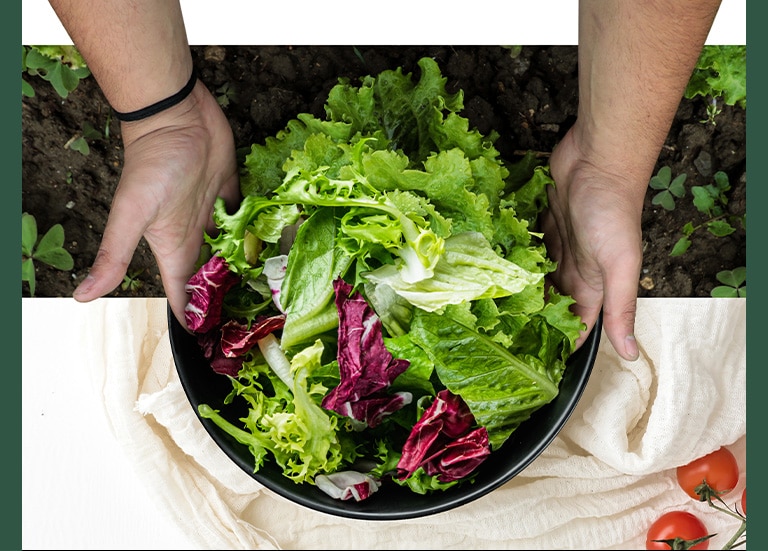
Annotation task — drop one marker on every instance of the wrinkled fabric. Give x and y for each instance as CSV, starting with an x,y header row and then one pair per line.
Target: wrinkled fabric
x,y
602,481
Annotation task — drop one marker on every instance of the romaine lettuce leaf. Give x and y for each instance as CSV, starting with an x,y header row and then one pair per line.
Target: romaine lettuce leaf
x,y
500,388
307,290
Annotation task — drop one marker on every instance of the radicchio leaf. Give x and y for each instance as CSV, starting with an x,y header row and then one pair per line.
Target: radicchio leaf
x,y
237,338
207,288
372,411
345,485
366,367
274,270
442,443
210,344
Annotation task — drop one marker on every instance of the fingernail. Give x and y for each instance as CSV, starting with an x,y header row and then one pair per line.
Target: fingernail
x,y
84,286
630,348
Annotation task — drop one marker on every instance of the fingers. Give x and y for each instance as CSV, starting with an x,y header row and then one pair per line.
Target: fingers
x,y
121,236
177,297
175,270
588,315
230,192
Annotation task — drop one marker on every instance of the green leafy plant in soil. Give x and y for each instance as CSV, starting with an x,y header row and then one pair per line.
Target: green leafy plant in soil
x,y
49,249
720,75
711,201
62,66
225,94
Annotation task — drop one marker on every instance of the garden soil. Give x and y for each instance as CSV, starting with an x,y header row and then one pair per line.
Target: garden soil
x,y
528,96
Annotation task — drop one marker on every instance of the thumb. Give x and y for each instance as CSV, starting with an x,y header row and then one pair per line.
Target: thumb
x,y
120,239
619,312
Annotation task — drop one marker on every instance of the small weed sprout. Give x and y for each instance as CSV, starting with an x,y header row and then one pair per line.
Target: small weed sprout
x,y
712,111
79,142
225,94
26,87
131,281
668,188
49,249
514,51
359,55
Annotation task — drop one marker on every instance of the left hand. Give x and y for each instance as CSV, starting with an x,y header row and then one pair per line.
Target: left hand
x,y
177,163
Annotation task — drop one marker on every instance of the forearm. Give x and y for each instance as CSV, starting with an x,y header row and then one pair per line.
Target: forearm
x,y
136,49
635,59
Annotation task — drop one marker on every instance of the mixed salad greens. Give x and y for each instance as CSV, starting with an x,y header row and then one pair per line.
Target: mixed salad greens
x,y
378,298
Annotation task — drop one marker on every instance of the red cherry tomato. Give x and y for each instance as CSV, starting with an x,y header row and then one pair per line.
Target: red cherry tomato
x,y
676,524
744,502
719,469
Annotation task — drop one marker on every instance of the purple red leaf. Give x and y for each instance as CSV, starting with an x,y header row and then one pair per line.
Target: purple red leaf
x,y
237,338
207,289
210,343
366,367
442,443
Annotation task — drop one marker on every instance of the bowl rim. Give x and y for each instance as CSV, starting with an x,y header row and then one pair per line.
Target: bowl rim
x,y
556,413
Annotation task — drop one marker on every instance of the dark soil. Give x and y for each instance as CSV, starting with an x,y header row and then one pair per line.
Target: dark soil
x,y
529,98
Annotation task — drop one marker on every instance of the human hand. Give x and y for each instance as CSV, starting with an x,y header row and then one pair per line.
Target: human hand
x,y
592,228
177,163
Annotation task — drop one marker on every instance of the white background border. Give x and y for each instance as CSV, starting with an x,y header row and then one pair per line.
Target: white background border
x,y
336,22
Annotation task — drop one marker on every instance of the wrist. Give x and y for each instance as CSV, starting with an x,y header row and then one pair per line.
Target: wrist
x,y
618,148
198,110
161,105
603,166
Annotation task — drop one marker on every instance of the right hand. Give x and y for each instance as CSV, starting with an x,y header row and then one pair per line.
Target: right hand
x,y
177,163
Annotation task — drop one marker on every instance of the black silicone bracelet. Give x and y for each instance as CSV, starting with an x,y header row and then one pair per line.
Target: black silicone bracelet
x,y
161,105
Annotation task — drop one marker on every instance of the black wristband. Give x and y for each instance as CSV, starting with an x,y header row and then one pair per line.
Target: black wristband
x,y
161,105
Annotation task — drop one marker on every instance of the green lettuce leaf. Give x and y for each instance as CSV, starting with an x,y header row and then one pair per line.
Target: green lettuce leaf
x,y
468,270
501,389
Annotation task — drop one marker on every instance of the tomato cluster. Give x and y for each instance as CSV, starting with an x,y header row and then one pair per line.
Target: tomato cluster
x,y
705,479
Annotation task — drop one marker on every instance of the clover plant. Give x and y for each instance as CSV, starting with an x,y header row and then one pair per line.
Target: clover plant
x,y
669,188
734,283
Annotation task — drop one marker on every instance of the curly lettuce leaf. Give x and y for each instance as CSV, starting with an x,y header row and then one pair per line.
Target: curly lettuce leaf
x,y
721,71
296,432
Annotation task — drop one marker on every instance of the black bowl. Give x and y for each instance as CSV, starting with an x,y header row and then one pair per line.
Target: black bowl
x,y
391,502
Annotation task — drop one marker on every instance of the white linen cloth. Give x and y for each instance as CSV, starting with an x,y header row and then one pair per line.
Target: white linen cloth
x,y
601,483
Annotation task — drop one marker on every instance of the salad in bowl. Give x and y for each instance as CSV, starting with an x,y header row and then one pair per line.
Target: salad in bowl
x,y
375,313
